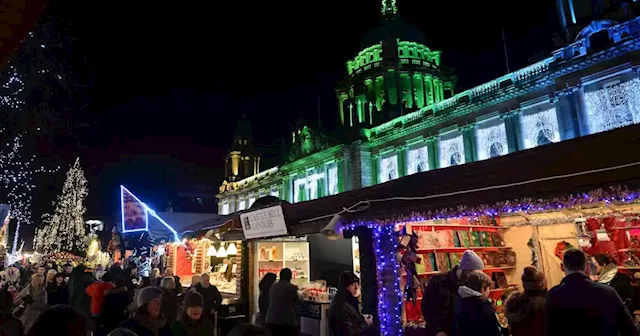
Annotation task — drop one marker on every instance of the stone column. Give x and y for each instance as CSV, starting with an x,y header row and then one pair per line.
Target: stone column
x,y
512,126
401,153
342,97
374,169
432,151
340,165
468,134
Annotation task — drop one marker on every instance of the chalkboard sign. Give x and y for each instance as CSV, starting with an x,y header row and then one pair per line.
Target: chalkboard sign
x,y
311,310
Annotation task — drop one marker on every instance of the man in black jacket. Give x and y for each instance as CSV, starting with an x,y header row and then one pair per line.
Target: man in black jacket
x,y
580,306
441,292
210,294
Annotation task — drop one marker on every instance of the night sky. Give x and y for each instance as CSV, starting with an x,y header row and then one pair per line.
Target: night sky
x,y
174,76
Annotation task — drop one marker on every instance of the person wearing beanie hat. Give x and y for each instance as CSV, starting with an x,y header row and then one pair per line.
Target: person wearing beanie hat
x,y
147,320
470,261
193,321
441,291
345,317
525,311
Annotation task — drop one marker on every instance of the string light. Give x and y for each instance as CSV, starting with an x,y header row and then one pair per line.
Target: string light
x,y
16,178
385,245
65,229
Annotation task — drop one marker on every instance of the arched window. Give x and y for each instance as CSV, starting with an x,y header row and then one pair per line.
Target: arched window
x,y
496,149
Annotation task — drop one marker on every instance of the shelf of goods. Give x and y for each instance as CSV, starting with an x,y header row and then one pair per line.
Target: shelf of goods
x,y
440,247
355,248
273,256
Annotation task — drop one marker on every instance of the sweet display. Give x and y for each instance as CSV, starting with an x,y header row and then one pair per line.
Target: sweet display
x,y
316,291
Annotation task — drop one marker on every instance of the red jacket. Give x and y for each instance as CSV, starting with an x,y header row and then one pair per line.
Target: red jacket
x,y
96,292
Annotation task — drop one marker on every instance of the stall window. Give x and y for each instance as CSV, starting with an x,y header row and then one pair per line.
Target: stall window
x,y
612,105
417,160
539,127
491,139
333,179
451,147
388,168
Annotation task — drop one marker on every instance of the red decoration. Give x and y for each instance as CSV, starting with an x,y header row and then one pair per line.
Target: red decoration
x,y
560,248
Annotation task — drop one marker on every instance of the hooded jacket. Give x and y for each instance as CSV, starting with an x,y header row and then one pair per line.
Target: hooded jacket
x,y
438,301
526,315
474,315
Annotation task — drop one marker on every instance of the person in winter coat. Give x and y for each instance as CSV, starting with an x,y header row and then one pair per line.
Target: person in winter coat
x,y
210,294
580,306
34,299
283,315
473,313
195,280
155,277
9,324
114,307
97,291
525,311
442,290
62,320
607,273
147,320
169,299
168,272
193,322
263,299
59,292
345,318
78,283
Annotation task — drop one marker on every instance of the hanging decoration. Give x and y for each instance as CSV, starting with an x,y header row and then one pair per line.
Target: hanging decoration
x,y
408,248
10,279
189,248
612,195
561,247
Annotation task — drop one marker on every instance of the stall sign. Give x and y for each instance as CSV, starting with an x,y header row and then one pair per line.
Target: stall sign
x,y
267,222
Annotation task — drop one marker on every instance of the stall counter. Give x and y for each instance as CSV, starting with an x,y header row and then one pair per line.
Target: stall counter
x,y
314,318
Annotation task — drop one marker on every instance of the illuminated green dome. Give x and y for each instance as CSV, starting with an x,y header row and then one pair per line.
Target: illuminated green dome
x,y
392,27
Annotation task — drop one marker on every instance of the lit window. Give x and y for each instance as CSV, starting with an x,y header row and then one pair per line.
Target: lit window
x,y
241,205
333,179
539,128
451,150
417,160
251,200
614,105
388,168
225,208
491,138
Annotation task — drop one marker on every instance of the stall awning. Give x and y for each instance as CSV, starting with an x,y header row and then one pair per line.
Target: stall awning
x,y
178,221
583,164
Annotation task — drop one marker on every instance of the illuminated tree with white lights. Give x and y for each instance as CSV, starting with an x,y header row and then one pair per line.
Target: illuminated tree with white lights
x,y
65,229
16,181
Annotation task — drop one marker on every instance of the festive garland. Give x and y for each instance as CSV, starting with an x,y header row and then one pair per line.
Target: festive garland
x,y
614,195
62,256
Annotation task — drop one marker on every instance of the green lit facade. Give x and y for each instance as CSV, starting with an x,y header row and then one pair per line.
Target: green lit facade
x,y
402,103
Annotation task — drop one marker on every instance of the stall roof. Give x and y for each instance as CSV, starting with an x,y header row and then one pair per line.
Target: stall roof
x,y
180,222
606,159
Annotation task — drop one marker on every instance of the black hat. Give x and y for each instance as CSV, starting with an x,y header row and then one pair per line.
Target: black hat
x,y
347,278
193,299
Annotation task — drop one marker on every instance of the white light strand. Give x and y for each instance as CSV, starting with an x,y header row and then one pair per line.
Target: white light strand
x,y
16,181
452,151
492,141
65,229
540,128
613,106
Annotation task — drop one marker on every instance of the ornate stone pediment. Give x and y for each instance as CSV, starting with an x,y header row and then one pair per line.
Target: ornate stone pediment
x,y
307,141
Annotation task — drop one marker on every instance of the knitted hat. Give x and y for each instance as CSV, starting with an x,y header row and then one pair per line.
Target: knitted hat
x,y
533,280
193,299
470,261
147,295
347,278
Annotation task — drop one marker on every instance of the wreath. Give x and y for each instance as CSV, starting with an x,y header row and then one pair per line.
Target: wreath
x,y
561,247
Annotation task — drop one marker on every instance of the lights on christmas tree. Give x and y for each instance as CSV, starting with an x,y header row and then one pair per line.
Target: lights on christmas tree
x,y
65,229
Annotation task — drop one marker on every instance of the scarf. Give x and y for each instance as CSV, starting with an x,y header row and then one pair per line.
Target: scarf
x,y
608,273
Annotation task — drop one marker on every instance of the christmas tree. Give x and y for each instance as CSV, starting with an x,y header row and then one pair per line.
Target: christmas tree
x,y
65,229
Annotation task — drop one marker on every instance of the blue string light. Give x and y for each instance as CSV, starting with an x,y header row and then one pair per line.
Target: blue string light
x,y
385,245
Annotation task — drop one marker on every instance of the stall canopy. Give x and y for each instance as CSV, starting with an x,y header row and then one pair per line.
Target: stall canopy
x,y
602,160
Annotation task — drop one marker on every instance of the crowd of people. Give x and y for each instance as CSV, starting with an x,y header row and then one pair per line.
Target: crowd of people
x,y
114,301
592,299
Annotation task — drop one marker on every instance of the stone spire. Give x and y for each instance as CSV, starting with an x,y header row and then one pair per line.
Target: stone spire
x,y
389,7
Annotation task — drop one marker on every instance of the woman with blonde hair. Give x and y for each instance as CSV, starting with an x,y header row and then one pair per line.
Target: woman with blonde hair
x,y
169,306
34,300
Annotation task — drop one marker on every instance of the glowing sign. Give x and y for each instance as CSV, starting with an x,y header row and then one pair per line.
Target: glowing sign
x,y
135,216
